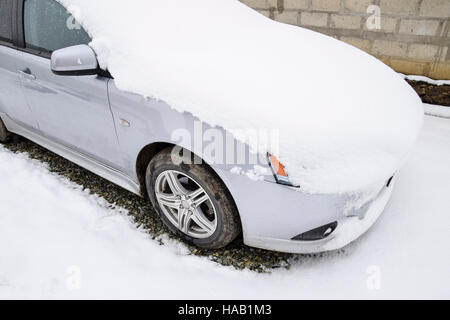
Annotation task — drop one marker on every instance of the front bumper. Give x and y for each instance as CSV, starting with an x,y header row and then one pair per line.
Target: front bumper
x,y
348,230
273,215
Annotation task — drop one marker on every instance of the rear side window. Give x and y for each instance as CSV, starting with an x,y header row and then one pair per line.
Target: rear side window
x,y
5,20
49,27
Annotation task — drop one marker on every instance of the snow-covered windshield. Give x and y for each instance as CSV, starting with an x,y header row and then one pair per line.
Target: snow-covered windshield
x,y
346,121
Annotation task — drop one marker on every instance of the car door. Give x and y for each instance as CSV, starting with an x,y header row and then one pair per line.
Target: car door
x,y
71,110
12,100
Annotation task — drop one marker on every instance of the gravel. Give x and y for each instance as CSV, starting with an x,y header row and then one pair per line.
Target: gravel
x,y
236,254
432,94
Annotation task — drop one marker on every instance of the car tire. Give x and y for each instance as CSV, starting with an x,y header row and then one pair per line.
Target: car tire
x,y
217,210
5,135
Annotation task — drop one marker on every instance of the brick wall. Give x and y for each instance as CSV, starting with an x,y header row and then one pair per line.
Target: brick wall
x,y
412,36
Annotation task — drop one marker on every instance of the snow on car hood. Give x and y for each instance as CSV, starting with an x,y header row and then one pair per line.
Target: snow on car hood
x,y
346,121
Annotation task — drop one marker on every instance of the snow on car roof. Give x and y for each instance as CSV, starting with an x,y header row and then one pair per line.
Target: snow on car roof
x,y
346,121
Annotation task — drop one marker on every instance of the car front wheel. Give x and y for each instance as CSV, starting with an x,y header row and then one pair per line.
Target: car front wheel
x,y
192,201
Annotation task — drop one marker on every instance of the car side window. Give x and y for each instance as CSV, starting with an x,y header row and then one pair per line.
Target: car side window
x,y
5,21
49,27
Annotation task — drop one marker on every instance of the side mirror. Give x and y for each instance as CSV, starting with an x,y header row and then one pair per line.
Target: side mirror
x,y
74,61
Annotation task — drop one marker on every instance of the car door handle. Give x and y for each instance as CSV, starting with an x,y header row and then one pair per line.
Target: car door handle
x,y
26,74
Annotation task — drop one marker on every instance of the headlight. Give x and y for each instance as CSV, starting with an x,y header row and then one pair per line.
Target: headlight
x,y
278,171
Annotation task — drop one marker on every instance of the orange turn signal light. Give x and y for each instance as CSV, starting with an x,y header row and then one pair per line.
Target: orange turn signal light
x,y
277,166
278,170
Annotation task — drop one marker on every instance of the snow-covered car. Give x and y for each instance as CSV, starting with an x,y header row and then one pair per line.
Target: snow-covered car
x,y
126,89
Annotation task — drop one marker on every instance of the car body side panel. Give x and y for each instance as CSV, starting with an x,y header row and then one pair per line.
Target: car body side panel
x,y
95,166
71,110
142,121
12,100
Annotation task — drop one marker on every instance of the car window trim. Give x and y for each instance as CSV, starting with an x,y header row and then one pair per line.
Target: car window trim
x,y
7,44
17,21
18,34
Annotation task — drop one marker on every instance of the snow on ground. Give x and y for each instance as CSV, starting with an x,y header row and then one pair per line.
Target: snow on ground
x,y
426,79
437,111
57,241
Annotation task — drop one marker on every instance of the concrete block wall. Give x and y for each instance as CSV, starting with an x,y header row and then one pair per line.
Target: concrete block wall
x,y
411,36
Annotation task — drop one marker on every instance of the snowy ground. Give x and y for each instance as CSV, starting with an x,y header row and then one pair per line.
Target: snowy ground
x,y
437,111
427,80
57,241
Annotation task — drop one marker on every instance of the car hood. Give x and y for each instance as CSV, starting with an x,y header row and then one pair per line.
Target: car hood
x,y
344,121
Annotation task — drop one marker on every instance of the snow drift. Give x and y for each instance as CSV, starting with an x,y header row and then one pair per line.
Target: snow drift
x,y
347,122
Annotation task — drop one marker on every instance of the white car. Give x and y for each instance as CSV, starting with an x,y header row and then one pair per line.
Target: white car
x,y
125,90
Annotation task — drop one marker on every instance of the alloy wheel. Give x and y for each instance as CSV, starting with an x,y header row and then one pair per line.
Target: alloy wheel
x,y
186,204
